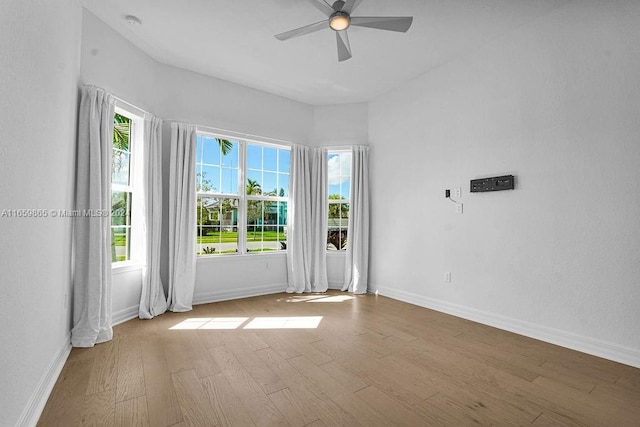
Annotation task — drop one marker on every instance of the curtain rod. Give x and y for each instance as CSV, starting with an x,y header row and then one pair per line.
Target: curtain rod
x,y
233,133
345,147
117,98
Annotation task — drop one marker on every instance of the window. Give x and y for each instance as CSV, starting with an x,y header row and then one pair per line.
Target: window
x,y
232,216
217,177
267,193
123,183
339,177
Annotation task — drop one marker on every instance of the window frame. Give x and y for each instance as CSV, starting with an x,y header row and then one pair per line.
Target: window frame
x,y
241,196
341,201
136,142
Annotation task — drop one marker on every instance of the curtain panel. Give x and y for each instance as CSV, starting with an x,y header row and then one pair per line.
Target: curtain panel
x,y
356,266
92,233
182,217
153,300
306,222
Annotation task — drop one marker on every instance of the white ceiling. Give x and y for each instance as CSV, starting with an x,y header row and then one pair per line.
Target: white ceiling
x,y
234,40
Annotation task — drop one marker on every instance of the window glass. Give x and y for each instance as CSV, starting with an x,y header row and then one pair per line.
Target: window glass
x,y
252,220
339,183
121,189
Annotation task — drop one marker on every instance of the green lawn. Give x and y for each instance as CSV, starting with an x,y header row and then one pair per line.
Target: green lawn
x,y
232,236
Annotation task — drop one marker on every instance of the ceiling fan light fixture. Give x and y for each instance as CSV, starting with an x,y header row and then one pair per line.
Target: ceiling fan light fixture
x,y
339,21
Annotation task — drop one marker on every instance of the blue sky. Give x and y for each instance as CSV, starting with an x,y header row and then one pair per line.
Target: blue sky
x,y
268,166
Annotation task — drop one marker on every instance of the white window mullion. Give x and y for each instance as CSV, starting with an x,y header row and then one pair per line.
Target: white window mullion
x,y
242,202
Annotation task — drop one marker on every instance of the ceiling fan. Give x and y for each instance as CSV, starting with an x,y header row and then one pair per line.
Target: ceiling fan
x,y
339,14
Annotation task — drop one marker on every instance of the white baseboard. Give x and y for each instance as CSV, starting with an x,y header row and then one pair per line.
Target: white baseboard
x,y
125,314
37,401
216,296
596,347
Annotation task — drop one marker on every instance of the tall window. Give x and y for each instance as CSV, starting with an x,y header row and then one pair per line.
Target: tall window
x,y
242,193
267,191
217,177
339,177
122,190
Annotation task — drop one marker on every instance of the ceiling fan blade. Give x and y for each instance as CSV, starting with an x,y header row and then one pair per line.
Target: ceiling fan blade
x,y
344,48
322,6
337,5
302,30
396,23
350,6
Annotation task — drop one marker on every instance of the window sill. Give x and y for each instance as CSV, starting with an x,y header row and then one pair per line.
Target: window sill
x,y
335,254
248,256
125,267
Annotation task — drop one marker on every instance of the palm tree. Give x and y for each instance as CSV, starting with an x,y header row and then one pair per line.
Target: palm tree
x,y
225,146
121,128
253,187
254,207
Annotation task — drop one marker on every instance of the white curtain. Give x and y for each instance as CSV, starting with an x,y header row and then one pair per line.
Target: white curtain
x,y
92,233
298,215
182,217
153,300
306,222
357,257
318,228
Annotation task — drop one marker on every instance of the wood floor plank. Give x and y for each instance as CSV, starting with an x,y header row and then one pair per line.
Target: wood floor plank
x,y
229,407
262,411
589,409
99,409
292,407
194,401
347,379
130,379
551,419
162,401
371,361
263,375
400,415
201,359
66,402
104,374
132,413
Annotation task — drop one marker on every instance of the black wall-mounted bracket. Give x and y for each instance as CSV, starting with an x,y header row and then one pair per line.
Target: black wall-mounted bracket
x,y
496,183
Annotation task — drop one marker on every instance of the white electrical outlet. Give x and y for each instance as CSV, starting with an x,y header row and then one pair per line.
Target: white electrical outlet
x,y
447,276
459,208
457,192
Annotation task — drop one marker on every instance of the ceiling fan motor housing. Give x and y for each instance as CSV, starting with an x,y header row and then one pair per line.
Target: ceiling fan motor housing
x,y
339,21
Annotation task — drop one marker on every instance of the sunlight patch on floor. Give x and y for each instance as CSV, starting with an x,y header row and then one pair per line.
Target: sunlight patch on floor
x,y
290,322
318,298
334,298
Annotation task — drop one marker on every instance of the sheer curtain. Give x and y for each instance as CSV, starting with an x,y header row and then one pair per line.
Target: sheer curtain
x,y
306,222
357,257
152,299
319,212
299,214
182,217
92,234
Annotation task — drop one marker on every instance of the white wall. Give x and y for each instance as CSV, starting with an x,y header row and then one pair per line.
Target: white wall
x,y
39,68
175,94
345,124
555,103
111,62
104,52
195,98
335,126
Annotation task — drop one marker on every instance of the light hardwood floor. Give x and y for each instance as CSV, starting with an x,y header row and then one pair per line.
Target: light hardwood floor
x,y
371,361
